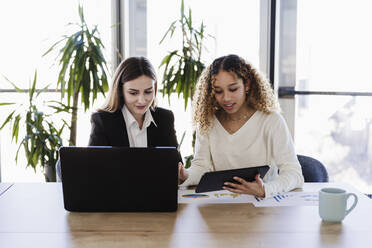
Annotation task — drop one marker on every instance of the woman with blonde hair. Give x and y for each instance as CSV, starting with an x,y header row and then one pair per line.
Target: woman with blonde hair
x,y
239,125
130,117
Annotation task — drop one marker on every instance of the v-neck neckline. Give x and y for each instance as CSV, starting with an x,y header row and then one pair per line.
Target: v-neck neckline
x,y
237,131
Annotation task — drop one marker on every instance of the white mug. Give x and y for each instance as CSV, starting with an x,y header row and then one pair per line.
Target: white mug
x,y
333,203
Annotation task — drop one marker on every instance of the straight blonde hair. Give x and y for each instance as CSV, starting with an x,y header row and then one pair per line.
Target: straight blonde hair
x,y
127,70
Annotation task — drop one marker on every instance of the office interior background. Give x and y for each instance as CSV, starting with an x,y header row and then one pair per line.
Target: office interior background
x,y
316,53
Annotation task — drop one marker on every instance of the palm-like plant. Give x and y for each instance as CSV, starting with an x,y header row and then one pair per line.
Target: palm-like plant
x,y
42,139
82,68
182,67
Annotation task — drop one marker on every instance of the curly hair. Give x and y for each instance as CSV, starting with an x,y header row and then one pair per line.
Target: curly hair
x,y
260,96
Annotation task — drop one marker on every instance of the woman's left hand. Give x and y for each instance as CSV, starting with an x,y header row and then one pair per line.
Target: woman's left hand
x,y
251,188
182,173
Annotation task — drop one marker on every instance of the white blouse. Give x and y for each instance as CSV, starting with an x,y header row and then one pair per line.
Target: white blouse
x,y
263,140
137,137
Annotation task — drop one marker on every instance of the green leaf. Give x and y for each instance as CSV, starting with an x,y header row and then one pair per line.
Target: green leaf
x,y
188,82
19,90
188,161
189,21
85,89
15,130
53,46
28,120
104,83
33,87
94,30
70,85
79,68
168,83
182,8
166,60
59,132
60,107
95,81
42,90
66,124
67,52
179,87
19,147
8,118
65,60
171,27
6,103
196,40
81,14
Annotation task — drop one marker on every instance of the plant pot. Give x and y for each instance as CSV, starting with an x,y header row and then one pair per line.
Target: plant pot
x,y
50,173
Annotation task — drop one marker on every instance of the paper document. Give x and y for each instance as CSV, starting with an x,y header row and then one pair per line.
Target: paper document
x,y
289,199
220,196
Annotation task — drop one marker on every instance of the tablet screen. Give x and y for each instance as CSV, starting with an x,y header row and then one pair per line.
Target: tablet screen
x,y
215,180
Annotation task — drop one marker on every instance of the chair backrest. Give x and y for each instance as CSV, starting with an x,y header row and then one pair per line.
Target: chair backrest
x,y
312,169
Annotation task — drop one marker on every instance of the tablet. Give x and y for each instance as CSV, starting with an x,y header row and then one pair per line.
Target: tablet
x,y
215,180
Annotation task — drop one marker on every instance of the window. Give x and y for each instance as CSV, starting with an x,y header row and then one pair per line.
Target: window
x,y
29,28
333,54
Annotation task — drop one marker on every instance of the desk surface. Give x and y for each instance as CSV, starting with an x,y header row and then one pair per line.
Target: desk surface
x,y
32,215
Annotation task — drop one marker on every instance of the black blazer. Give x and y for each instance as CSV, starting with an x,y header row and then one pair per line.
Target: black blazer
x,y
109,129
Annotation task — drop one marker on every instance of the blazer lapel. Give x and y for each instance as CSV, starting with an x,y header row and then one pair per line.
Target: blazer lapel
x,y
153,131
151,135
121,138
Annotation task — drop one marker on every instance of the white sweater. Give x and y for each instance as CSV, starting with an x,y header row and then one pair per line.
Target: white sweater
x,y
263,140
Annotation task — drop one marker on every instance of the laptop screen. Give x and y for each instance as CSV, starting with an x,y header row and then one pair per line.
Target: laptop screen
x,y
119,178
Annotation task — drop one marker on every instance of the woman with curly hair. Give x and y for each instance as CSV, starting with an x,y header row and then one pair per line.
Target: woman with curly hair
x,y
239,125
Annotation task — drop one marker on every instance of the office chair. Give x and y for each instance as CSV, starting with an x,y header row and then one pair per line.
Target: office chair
x,y
312,169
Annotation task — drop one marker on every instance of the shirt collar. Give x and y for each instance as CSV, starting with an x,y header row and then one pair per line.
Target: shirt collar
x,y
130,120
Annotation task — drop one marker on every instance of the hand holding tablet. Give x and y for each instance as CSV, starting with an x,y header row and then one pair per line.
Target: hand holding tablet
x,y
255,187
212,181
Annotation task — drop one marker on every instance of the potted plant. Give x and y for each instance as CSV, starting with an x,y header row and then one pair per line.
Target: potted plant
x,y
42,138
182,67
82,69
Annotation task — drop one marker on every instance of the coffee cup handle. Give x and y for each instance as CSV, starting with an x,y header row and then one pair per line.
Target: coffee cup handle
x,y
354,204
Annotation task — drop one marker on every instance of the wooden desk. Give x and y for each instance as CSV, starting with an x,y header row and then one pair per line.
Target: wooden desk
x,y
32,215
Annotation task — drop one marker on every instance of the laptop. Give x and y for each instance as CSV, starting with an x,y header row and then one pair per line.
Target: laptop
x,y
119,179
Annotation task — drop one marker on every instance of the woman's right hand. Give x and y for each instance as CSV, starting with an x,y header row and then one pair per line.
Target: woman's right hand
x,y
182,173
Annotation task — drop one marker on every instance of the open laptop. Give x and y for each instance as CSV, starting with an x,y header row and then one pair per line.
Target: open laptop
x,y
119,179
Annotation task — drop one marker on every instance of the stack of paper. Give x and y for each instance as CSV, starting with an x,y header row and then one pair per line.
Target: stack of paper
x,y
221,196
224,196
289,199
